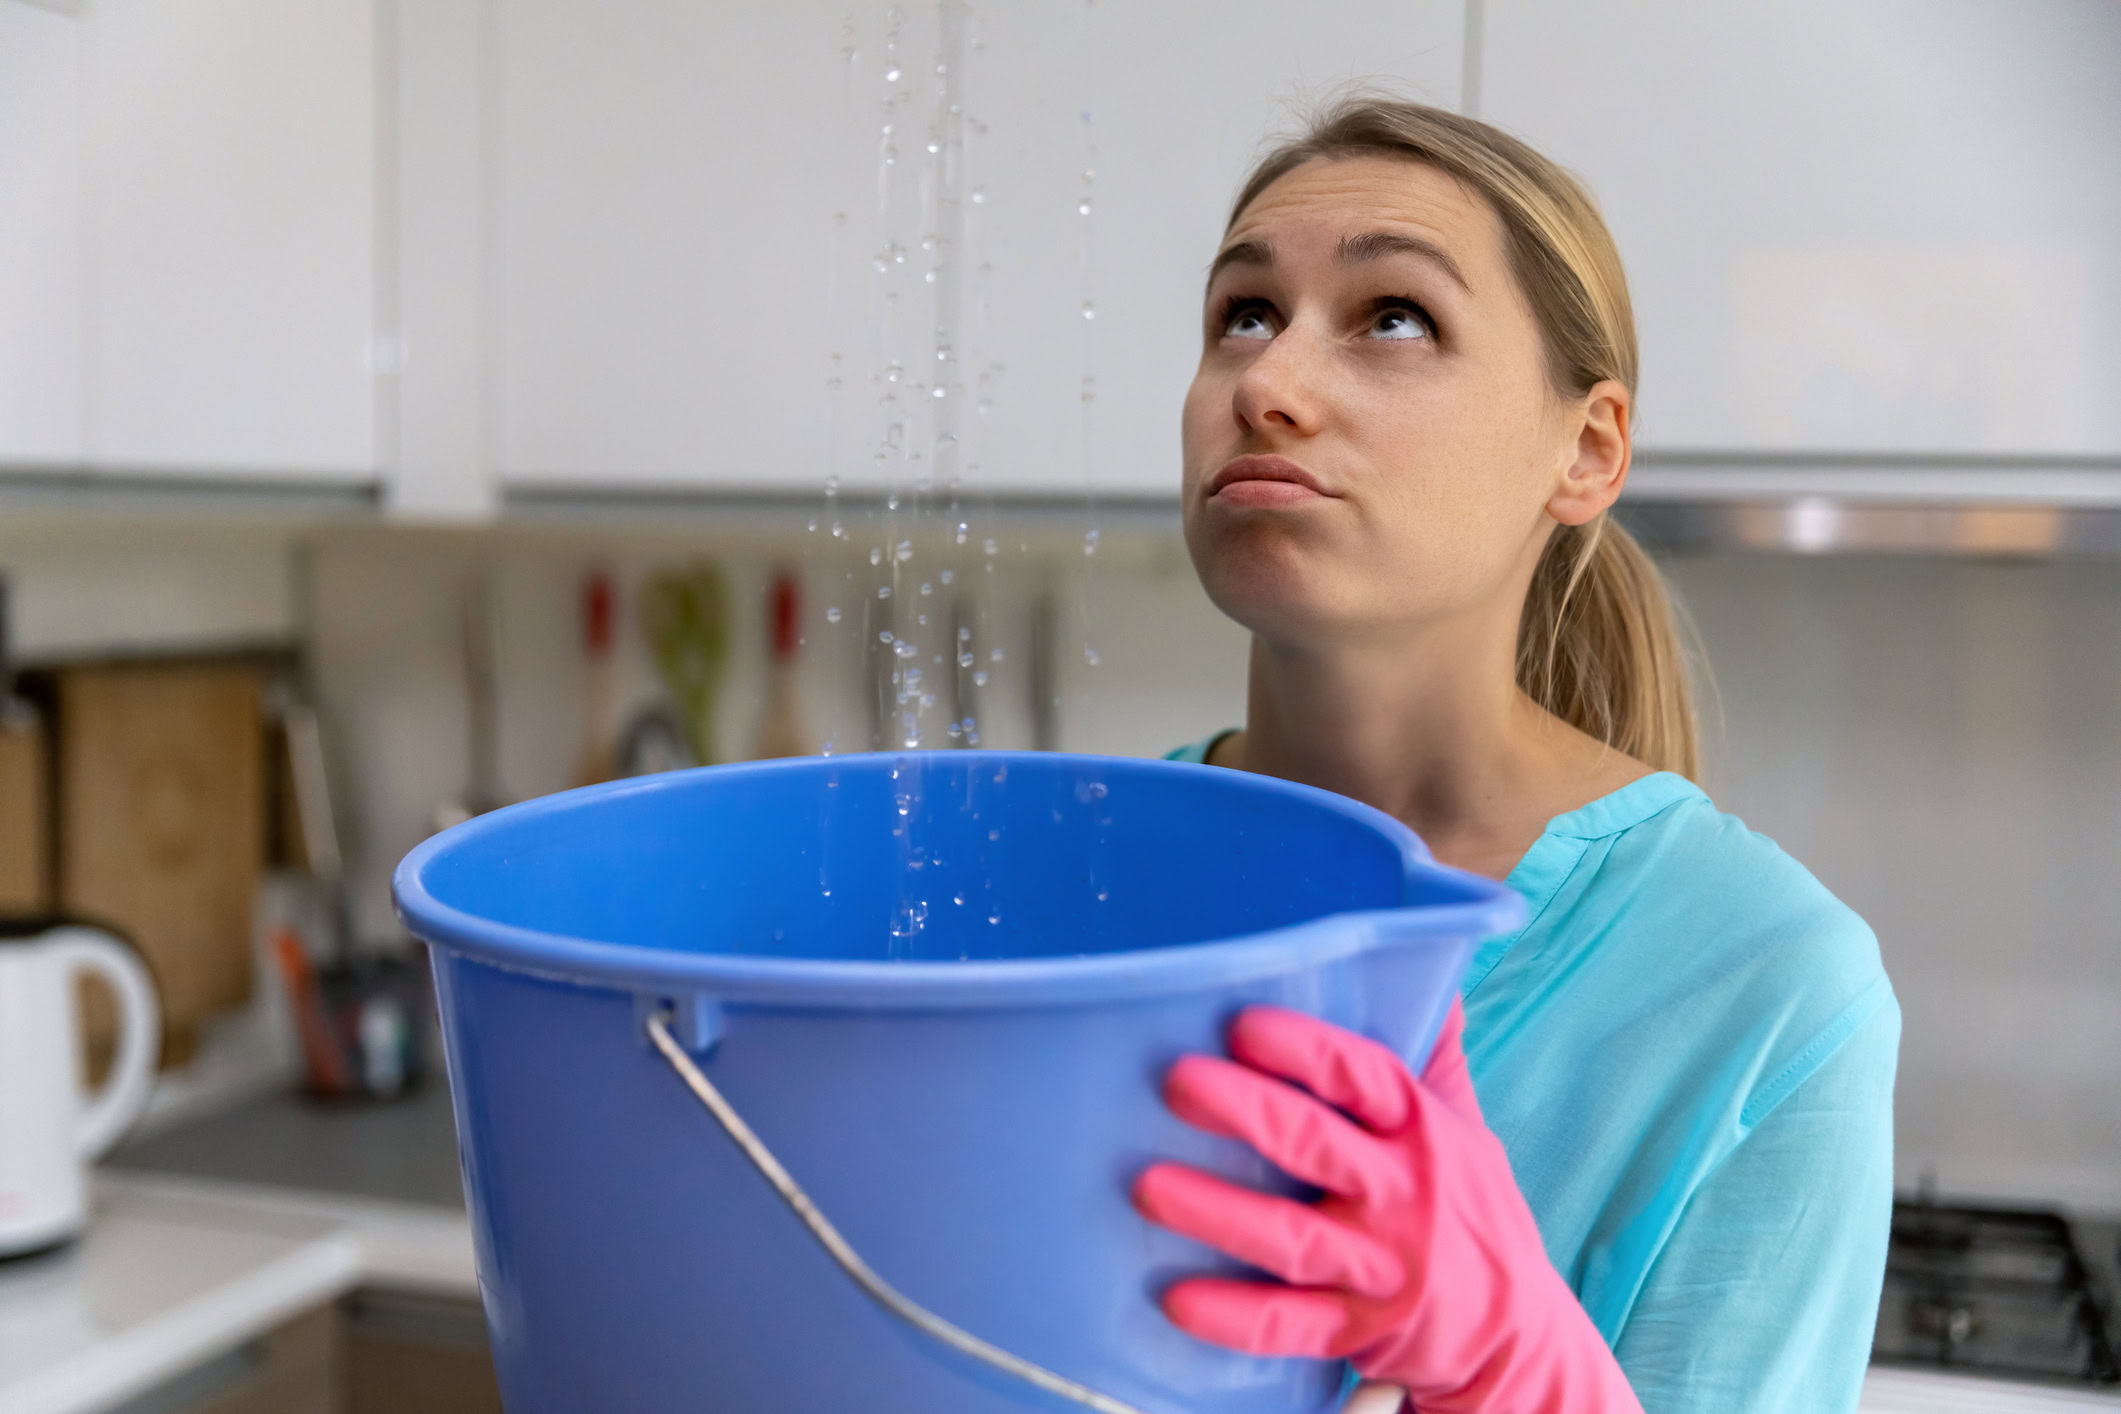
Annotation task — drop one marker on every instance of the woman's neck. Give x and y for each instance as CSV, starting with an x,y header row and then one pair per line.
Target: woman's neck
x,y
1432,730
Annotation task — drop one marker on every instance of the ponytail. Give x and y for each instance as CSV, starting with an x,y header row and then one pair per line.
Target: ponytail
x,y
1599,647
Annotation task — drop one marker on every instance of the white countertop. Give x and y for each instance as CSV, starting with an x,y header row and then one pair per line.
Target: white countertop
x,y
173,1272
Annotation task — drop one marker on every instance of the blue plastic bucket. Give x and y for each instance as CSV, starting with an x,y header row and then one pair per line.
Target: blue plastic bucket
x,y
942,988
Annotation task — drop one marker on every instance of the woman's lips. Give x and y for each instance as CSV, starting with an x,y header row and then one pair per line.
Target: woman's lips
x,y
1266,493
1264,481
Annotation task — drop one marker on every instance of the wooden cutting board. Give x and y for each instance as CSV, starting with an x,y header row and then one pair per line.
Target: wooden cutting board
x,y
161,827
25,832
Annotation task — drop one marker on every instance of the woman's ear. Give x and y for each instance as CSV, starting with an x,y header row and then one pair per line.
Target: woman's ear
x,y
1592,481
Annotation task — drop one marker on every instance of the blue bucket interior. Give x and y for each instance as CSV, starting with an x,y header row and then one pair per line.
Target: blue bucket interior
x,y
927,857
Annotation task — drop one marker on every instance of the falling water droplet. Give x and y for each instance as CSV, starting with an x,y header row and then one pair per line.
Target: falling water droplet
x,y
991,546
947,575
883,591
832,615
979,198
1090,542
979,679
891,74
1082,208
876,555
904,551
1090,656
962,531
1089,310
938,391
884,637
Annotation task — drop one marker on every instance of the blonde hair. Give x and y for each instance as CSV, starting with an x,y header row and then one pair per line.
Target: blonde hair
x,y
1598,644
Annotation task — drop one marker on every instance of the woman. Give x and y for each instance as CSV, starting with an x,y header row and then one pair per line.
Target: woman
x,y
1412,414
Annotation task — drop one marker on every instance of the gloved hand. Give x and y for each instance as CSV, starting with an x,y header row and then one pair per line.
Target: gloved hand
x,y
1422,1264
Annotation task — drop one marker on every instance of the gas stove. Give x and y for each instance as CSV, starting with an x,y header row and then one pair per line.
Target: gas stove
x,y
1994,1291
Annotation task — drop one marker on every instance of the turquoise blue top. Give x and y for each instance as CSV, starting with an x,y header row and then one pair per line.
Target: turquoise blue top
x,y
1688,1052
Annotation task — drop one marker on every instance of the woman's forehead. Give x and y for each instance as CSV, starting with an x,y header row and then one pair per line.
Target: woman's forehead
x,y
1325,200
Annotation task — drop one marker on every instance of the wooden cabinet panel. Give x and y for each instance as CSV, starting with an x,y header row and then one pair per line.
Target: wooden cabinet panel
x,y
409,1354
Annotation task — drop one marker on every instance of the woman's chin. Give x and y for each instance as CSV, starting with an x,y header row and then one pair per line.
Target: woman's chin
x,y
1270,591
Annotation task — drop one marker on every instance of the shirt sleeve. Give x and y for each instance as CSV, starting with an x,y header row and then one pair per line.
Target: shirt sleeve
x,y
1765,1297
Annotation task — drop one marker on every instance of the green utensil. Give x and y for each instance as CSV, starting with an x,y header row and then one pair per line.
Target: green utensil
x,y
685,620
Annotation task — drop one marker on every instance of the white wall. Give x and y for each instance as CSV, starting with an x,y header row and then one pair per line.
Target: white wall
x,y
1939,742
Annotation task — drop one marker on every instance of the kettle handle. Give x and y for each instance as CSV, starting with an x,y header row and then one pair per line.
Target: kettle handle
x,y
132,1077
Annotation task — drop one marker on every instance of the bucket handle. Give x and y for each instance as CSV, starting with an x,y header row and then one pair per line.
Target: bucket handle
x,y
836,1246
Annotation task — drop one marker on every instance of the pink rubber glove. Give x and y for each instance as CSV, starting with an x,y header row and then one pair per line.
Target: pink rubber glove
x,y
1421,1265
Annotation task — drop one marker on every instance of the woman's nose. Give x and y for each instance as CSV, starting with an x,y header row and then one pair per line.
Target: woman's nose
x,y
1277,389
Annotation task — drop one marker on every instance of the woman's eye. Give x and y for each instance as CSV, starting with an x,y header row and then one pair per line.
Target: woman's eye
x,y
1248,321
1398,321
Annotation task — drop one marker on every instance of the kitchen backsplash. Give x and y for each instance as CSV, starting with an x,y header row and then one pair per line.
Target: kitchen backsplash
x,y
1937,739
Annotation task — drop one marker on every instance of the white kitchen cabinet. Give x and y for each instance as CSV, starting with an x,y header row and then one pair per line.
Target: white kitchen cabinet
x,y
230,236
1878,226
1180,99
40,237
674,285
667,176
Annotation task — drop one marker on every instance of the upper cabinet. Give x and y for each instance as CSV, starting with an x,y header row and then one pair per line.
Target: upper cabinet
x,y
666,179
187,237
1863,226
718,227
40,236
231,235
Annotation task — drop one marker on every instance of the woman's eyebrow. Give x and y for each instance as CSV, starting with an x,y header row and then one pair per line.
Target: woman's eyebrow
x,y
1243,253
1376,245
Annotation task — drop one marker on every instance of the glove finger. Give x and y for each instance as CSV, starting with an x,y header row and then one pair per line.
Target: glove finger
x,y
1257,1318
1345,1070
1304,1138
1294,1241
1446,1076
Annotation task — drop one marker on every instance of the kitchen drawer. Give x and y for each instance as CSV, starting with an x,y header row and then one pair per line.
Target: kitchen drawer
x,y
291,1370
409,1354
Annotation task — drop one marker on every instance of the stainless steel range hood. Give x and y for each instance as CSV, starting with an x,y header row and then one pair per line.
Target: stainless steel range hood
x,y
1874,503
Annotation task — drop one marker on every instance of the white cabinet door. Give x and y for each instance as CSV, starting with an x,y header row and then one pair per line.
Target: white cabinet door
x,y
231,237
1868,225
1180,99
40,237
674,286
667,179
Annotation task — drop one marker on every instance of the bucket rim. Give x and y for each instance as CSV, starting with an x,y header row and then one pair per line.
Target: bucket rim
x,y
1484,909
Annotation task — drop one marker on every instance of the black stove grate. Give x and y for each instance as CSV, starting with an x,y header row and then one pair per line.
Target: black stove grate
x,y
1997,1290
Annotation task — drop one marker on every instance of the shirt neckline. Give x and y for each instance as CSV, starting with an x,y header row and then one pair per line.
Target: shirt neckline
x,y
1546,866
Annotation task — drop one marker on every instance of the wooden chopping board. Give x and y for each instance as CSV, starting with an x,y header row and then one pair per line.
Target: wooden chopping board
x,y
162,824
25,836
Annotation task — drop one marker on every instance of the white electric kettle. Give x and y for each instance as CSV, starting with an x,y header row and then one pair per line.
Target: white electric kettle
x,y
50,1130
